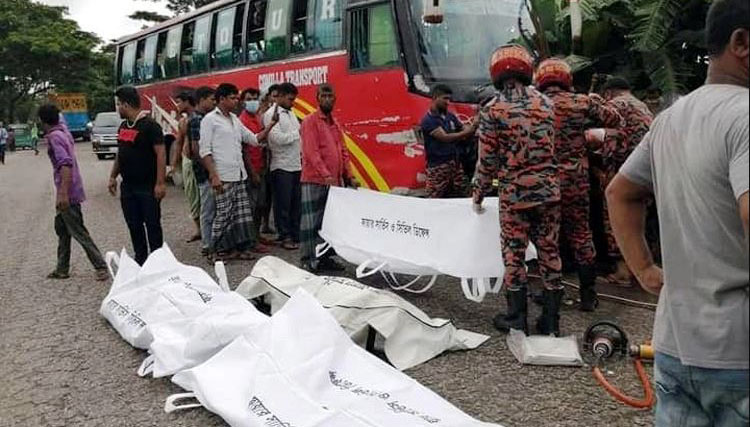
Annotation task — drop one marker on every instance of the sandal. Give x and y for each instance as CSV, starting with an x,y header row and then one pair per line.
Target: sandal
x,y
101,275
222,256
290,246
193,238
245,256
261,249
58,275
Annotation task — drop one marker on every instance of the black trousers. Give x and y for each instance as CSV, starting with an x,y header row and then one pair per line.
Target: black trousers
x,y
287,201
142,212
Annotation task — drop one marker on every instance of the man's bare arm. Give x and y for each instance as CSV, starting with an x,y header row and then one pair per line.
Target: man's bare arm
x,y
627,213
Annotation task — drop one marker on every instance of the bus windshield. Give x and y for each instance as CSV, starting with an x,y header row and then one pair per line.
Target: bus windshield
x,y
459,48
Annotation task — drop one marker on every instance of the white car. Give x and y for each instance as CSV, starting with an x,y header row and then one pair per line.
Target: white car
x,y
104,134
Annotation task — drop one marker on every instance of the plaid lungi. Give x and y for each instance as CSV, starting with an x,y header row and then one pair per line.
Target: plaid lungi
x,y
314,197
233,224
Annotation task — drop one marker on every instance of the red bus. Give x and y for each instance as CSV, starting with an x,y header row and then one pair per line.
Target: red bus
x,y
381,56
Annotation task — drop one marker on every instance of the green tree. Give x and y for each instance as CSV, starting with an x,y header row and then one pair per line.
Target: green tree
x,y
177,6
653,43
40,50
147,16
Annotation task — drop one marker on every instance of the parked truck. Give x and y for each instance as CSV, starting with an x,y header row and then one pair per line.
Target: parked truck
x,y
75,112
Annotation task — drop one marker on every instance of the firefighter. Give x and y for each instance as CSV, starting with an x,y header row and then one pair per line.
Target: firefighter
x,y
615,145
516,145
573,114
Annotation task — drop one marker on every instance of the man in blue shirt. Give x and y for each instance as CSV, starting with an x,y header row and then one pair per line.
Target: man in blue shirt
x,y
444,135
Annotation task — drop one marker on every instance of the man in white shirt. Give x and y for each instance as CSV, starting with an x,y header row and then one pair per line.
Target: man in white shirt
x,y
286,166
221,138
694,161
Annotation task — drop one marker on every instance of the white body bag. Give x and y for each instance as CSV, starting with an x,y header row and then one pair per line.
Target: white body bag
x,y
388,234
302,370
162,290
410,336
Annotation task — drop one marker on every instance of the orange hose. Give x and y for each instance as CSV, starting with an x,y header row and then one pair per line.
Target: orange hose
x,y
648,398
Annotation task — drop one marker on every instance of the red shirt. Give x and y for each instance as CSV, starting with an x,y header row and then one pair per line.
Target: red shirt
x,y
255,154
324,154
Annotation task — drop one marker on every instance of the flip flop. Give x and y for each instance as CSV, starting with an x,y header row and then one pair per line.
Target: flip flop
x,y
194,238
290,246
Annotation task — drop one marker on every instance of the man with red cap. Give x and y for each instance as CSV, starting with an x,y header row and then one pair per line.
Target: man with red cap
x,y
574,113
516,146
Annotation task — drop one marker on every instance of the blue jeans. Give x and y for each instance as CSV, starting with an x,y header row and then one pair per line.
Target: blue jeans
x,y
208,212
696,397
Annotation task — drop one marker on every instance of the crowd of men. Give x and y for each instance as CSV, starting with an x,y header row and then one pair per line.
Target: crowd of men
x,y
540,143
232,167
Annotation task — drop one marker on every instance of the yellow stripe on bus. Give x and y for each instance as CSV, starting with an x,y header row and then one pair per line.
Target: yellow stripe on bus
x,y
366,163
361,156
358,176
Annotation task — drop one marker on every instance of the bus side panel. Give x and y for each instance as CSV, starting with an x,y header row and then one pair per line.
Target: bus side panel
x,y
377,112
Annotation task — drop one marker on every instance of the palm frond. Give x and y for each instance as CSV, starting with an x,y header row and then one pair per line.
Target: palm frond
x,y
653,24
578,63
667,72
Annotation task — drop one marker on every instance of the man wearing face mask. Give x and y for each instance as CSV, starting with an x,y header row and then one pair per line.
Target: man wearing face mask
x,y
325,163
286,166
255,163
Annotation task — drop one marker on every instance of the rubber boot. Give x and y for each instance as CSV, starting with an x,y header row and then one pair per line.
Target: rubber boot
x,y
549,322
587,292
515,318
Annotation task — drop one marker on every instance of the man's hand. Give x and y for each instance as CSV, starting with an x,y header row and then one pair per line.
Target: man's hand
x,y
353,183
160,191
216,184
329,180
651,279
63,202
112,186
254,178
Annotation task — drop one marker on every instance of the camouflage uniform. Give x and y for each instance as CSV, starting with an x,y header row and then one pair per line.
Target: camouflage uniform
x,y
516,145
616,148
574,113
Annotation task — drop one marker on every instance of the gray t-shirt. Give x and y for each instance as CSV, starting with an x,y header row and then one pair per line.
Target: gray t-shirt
x,y
695,158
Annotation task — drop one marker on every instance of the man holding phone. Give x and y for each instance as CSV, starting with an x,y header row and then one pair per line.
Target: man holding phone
x,y
286,166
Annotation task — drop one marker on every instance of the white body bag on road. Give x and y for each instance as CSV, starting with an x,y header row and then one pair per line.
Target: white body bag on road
x,y
410,336
303,370
183,343
392,235
162,290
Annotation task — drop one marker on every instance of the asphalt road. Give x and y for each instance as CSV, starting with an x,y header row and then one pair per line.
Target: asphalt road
x,y
62,365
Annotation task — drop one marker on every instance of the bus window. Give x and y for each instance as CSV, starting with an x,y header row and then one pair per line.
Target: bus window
x,y
149,57
139,61
172,63
238,52
186,49
161,56
128,62
299,24
373,38
201,44
223,53
324,31
278,18
256,22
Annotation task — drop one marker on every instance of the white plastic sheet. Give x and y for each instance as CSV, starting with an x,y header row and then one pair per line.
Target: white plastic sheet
x,y
544,350
410,336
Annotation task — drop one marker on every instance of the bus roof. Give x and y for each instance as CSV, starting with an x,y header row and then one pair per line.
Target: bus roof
x,y
176,20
